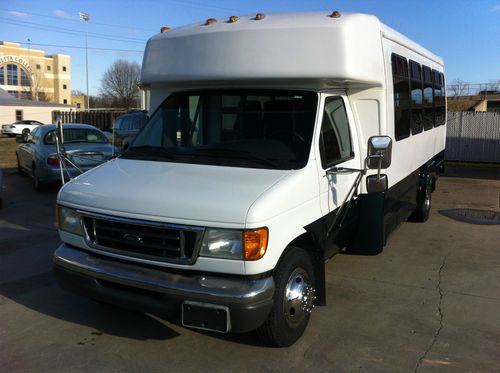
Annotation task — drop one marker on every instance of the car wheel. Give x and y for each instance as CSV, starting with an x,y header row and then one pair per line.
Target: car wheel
x,y
25,132
37,184
293,300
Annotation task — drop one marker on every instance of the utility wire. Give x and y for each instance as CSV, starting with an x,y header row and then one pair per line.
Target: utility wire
x,y
78,47
69,31
75,20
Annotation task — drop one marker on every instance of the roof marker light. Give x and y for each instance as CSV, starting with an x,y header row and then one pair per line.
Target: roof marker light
x,y
164,29
210,21
233,19
335,14
260,16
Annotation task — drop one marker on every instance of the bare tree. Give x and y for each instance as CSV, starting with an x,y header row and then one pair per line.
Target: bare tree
x,y
119,83
36,90
458,87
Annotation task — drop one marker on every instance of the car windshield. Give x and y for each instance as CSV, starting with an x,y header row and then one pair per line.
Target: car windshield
x,y
239,128
77,135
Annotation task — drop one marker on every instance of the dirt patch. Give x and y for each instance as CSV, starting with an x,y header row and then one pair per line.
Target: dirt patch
x,y
8,147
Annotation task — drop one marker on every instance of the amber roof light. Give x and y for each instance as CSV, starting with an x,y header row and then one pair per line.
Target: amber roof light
x,y
335,14
233,19
210,21
260,16
164,29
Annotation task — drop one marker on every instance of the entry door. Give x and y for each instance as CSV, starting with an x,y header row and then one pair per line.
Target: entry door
x,y
337,143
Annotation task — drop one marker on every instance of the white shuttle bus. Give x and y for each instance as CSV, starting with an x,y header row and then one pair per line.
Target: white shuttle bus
x,y
275,142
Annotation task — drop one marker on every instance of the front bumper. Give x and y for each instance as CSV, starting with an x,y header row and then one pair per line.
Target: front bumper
x,y
162,293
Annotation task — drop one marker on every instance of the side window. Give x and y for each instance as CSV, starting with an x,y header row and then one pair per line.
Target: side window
x,y
335,138
401,97
428,98
416,98
118,124
35,135
438,99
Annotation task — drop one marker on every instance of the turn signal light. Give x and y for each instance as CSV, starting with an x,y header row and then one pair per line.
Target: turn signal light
x,y
255,243
53,160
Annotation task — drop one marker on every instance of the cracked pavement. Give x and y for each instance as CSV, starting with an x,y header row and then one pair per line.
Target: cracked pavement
x,y
429,302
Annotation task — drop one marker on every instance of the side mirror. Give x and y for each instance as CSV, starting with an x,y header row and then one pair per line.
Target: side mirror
x,y
379,152
20,139
376,183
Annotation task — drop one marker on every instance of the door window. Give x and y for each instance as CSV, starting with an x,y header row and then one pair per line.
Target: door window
x,y
335,138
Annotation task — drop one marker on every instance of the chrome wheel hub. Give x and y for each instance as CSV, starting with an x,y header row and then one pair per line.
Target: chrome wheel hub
x,y
299,297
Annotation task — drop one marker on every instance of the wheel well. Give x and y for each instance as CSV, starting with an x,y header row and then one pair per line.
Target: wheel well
x,y
307,243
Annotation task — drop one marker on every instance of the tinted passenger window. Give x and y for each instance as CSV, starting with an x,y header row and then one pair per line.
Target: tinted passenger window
x,y
335,138
428,98
401,97
416,98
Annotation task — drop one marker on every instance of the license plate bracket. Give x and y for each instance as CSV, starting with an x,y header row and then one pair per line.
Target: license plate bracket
x,y
206,316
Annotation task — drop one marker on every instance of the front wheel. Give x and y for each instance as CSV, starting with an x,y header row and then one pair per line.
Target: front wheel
x,y
293,300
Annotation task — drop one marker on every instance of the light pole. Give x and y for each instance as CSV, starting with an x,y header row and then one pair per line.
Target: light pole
x,y
85,18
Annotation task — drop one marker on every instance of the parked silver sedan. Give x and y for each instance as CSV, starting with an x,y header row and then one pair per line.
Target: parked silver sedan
x,y
86,147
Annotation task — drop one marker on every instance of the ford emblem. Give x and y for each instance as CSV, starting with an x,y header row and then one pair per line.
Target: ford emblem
x,y
132,238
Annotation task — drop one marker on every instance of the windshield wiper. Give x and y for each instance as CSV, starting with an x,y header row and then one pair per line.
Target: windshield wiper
x,y
147,151
240,154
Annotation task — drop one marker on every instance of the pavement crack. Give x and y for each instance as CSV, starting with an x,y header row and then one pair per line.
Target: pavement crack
x,y
440,313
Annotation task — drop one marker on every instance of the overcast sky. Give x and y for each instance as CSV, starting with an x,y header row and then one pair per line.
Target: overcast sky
x,y
466,33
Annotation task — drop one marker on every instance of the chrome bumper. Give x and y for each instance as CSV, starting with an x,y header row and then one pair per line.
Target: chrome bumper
x,y
248,300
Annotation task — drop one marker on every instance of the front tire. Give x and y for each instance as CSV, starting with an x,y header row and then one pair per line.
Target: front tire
x,y
292,301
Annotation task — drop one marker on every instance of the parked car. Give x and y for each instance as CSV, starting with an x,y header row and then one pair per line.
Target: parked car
x,y
85,145
20,127
127,126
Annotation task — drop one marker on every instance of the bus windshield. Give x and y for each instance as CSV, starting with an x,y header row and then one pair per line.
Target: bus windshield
x,y
238,128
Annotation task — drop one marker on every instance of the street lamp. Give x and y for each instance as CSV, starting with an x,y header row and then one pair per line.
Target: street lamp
x,y
85,18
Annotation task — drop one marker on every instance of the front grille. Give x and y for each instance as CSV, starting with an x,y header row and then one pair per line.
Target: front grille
x,y
143,239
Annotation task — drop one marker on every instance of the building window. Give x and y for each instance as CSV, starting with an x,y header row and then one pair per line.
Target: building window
x,y
38,66
2,75
401,93
65,101
19,115
12,75
25,80
78,106
49,67
65,86
64,68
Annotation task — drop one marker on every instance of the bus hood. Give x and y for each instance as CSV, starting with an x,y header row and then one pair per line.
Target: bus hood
x,y
170,192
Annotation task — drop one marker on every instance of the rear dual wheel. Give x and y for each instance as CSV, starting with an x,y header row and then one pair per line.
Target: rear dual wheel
x,y
293,300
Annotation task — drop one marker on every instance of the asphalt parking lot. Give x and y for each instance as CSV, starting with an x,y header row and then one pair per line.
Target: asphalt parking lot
x,y
429,302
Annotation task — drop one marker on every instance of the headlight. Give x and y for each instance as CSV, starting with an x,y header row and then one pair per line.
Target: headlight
x,y
69,220
249,244
222,243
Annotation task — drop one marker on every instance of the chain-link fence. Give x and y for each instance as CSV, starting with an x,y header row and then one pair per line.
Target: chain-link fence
x,y
473,137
